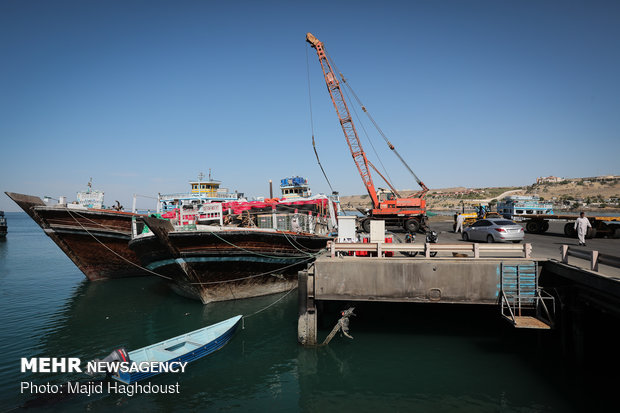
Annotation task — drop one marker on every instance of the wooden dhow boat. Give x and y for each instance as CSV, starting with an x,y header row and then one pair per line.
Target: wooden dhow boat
x,y
259,254
95,239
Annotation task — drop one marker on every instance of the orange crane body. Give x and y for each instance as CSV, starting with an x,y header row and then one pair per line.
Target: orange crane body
x,y
408,212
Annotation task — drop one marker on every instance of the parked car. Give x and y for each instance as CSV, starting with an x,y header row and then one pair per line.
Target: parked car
x,y
494,230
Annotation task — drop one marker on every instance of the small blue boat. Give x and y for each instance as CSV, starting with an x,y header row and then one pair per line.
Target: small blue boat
x,y
184,348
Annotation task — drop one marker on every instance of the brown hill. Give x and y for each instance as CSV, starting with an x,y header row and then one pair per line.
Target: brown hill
x,y
578,192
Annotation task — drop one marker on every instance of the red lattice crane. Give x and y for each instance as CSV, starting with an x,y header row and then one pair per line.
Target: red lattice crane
x,y
410,212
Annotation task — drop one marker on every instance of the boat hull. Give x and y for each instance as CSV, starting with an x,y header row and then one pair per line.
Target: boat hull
x,y
95,240
229,264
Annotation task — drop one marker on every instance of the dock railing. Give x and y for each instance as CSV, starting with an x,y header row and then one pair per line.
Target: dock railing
x,y
427,250
593,256
513,304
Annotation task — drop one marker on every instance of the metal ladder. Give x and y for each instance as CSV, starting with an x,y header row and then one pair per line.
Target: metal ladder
x,y
523,303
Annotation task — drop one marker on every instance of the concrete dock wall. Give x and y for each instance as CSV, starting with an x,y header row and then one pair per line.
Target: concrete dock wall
x,y
407,280
435,280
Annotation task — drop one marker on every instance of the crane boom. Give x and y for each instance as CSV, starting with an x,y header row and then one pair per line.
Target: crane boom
x,y
410,213
355,146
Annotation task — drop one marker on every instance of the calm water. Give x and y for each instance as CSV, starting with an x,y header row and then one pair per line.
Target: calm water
x,y
403,357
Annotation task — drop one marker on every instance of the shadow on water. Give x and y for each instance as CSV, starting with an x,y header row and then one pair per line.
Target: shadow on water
x,y
460,357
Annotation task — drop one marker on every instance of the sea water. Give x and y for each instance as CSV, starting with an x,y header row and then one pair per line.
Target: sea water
x,y
404,357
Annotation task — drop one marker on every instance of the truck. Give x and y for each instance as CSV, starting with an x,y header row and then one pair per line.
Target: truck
x,y
602,226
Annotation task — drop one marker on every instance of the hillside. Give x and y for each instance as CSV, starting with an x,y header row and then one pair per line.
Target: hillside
x,y
600,192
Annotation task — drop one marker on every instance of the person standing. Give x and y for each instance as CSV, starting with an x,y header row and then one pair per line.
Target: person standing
x,y
581,225
459,223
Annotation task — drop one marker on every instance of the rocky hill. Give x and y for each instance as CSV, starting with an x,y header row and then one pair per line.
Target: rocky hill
x,y
588,193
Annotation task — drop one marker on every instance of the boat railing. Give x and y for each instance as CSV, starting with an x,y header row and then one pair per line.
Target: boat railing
x,y
295,222
198,195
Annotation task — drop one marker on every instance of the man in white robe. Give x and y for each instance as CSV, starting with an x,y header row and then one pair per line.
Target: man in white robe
x,y
581,225
459,223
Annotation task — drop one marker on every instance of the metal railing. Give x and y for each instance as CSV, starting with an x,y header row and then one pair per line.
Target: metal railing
x,y
594,257
380,248
513,304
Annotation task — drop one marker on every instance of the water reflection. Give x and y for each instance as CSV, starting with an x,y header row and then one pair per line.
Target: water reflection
x,y
135,312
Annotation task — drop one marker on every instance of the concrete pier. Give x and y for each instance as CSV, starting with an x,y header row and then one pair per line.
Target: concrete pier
x,y
439,280
581,288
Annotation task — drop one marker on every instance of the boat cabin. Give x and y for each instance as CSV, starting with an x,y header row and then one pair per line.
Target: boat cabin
x,y
201,191
513,206
295,187
90,198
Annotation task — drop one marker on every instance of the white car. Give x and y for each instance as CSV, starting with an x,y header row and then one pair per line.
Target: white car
x,y
494,230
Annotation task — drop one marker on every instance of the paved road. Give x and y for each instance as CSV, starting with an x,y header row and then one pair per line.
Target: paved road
x,y
546,245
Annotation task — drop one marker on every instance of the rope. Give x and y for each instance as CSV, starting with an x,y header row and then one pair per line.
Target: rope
x,y
114,252
255,275
300,250
359,119
278,300
341,325
170,278
376,126
214,282
118,229
252,252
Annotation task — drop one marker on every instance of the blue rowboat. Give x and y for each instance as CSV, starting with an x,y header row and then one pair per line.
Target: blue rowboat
x,y
184,348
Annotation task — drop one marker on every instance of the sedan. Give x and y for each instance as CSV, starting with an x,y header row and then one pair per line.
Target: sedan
x,y
494,230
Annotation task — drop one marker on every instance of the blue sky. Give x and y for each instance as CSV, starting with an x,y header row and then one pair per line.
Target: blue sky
x,y
143,95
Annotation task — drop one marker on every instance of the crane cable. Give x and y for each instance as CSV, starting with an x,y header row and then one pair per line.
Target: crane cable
x,y
359,119
312,124
359,102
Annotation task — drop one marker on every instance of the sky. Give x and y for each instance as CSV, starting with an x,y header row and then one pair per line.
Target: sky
x,y
142,96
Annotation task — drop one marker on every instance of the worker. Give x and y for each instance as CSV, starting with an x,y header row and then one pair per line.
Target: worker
x,y
459,223
581,225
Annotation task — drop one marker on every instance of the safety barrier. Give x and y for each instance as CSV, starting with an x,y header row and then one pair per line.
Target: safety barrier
x,y
428,249
593,256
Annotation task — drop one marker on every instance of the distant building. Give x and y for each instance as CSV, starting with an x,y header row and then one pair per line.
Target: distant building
x,y
548,179
606,178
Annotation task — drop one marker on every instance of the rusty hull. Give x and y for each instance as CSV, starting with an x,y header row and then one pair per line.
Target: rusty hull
x,y
96,240
229,264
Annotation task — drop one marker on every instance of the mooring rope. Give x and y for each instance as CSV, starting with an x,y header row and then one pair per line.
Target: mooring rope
x,y
120,229
256,253
297,248
275,302
255,275
341,325
172,279
213,282
114,252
